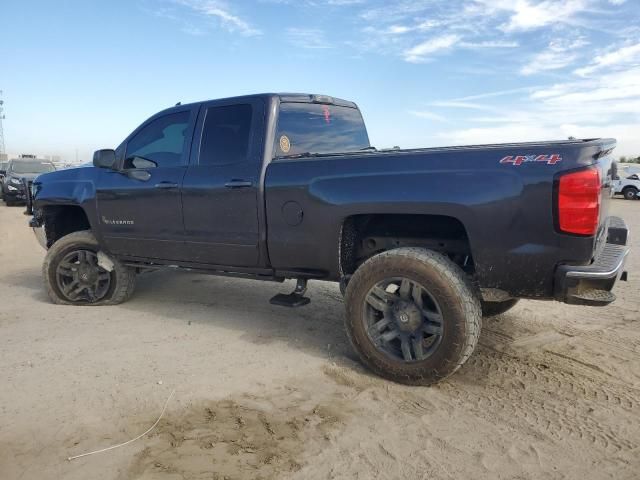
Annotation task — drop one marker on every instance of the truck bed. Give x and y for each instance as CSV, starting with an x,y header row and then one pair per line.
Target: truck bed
x,y
507,210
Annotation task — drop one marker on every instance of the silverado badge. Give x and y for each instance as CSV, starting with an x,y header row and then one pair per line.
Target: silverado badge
x,y
108,221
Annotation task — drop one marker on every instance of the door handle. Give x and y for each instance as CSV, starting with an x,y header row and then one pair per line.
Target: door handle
x,y
238,184
166,185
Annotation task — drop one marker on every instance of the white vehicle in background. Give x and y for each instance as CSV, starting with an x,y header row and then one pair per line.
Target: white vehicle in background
x,y
627,185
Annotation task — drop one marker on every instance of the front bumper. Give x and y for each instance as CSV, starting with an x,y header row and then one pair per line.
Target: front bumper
x,y
14,192
36,222
592,284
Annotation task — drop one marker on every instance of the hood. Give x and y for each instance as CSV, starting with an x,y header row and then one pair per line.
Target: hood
x,y
69,175
28,176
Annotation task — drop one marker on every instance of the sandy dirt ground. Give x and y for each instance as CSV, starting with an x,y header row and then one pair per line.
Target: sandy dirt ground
x,y
552,392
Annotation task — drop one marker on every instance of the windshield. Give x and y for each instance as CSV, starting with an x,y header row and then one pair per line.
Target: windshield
x,y
318,128
31,167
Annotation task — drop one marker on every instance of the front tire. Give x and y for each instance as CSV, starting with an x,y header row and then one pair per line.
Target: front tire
x,y
72,275
412,315
630,193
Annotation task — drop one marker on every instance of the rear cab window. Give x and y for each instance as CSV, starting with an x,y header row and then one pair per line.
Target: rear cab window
x,y
315,128
226,135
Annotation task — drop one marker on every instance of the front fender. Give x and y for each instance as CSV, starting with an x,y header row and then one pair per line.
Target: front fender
x,y
72,187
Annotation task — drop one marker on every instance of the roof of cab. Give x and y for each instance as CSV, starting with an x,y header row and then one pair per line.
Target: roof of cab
x,y
283,97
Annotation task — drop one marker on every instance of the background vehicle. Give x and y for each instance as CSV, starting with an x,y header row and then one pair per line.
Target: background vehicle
x,y
284,186
20,174
3,172
627,185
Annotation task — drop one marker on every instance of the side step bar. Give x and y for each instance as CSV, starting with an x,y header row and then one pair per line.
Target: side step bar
x,y
293,299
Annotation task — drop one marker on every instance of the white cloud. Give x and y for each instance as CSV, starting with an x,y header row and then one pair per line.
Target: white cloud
x,y
489,44
626,55
528,15
606,106
559,54
462,104
345,2
421,51
222,13
625,133
421,26
311,38
499,93
399,29
471,24
429,115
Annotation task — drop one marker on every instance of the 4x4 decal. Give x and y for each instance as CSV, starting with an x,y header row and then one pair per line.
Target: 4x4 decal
x,y
520,159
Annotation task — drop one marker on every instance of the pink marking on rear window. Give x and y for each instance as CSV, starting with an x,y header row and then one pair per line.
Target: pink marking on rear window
x,y
327,114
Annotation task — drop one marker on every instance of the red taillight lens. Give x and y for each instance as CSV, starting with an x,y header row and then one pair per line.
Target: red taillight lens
x,y
579,202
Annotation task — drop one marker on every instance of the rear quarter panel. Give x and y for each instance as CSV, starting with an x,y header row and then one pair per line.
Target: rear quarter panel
x,y
507,210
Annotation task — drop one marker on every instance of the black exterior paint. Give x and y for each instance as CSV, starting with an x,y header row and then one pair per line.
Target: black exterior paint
x,y
508,211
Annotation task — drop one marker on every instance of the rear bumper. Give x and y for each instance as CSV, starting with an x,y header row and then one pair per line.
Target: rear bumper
x,y
592,284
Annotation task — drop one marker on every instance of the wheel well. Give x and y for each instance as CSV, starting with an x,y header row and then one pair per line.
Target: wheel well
x,y
366,235
61,220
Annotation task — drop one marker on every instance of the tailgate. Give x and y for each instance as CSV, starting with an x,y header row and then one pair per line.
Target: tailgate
x,y
607,168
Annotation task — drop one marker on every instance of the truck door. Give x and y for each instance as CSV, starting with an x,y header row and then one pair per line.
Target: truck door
x,y
139,204
221,191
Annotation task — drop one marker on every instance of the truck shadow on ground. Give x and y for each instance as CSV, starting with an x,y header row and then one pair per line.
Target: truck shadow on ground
x,y
243,305
240,304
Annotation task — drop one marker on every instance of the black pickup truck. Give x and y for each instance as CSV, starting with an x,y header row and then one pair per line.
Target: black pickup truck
x,y
287,186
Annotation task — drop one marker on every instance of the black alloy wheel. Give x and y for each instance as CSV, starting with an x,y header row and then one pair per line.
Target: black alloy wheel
x,y
81,279
403,319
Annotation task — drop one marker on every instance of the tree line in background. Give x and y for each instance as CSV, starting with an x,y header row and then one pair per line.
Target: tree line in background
x,y
624,159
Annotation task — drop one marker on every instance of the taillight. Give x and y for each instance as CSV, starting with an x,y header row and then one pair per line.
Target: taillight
x,y
579,202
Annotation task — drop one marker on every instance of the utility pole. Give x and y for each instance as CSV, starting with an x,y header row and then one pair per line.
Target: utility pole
x,y
1,118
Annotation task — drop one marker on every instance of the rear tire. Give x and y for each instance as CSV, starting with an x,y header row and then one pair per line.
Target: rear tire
x,y
491,309
72,276
412,315
630,193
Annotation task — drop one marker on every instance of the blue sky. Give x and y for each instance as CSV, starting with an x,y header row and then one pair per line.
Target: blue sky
x,y
82,74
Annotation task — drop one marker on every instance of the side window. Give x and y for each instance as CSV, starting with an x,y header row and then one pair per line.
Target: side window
x,y
226,133
160,143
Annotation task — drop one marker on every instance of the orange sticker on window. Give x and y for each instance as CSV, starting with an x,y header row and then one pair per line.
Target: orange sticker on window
x,y
285,144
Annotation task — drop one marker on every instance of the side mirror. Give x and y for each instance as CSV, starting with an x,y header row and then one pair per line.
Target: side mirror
x,y
104,158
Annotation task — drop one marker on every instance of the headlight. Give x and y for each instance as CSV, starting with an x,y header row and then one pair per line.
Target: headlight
x,y
11,189
15,181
